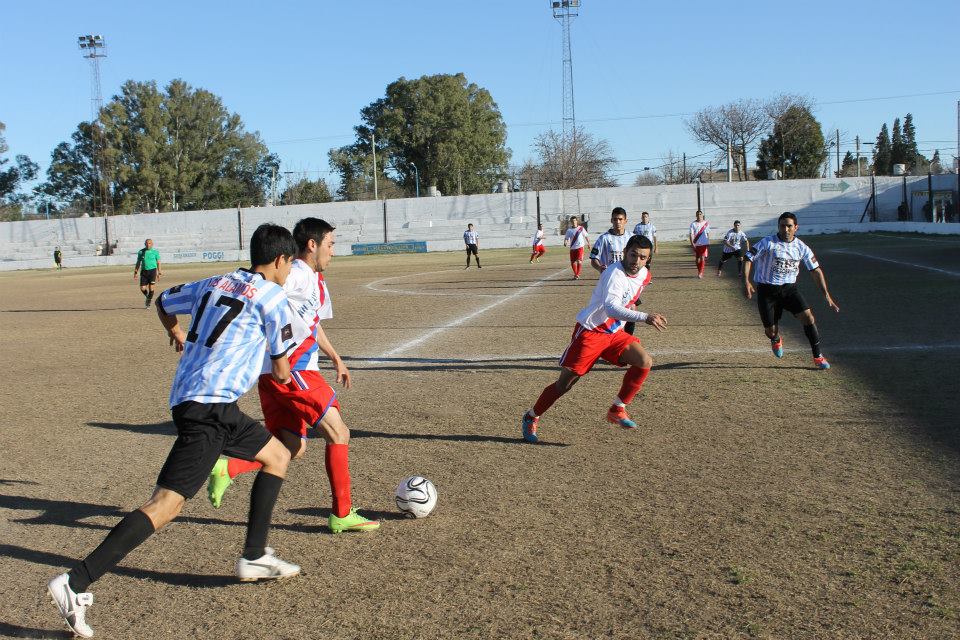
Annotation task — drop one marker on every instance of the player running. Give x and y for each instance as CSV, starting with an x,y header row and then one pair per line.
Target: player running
x,y
777,260
700,241
733,242
472,240
234,317
597,335
149,259
608,248
307,401
538,248
576,238
58,258
647,228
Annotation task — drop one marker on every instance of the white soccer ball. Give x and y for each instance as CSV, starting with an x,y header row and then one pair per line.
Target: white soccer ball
x,y
416,496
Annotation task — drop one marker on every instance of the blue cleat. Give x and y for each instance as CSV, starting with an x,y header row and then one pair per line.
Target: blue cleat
x,y
529,426
777,347
821,363
618,416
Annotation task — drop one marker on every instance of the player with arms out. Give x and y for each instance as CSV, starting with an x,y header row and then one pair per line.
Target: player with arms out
x,y
234,317
149,259
472,241
576,238
647,228
307,401
775,263
733,242
598,334
538,248
700,241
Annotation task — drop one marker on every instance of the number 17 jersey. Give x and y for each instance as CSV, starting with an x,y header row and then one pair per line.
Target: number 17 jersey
x,y
234,316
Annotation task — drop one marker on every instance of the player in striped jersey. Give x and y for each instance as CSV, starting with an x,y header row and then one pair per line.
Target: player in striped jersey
x,y
538,248
308,401
608,248
472,240
598,334
234,317
733,242
646,228
775,262
700,241
576,238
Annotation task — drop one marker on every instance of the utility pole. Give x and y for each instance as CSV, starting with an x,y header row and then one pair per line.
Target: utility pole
x,y
838,153
684,168
729,162
565,11
373,148
857,139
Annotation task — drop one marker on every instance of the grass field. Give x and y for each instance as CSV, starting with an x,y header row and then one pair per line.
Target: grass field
x,y
759,497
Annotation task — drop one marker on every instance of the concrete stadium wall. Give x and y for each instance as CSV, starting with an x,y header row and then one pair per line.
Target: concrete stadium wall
x,y
502,220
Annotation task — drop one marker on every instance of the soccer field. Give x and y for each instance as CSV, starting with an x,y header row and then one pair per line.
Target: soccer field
x,y
759,497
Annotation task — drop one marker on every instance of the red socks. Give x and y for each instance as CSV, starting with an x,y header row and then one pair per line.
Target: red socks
x,y
700,265
576,268
632,381
546,399
337,462
236,466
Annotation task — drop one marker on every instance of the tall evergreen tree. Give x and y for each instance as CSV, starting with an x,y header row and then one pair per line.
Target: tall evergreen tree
x,y
915,160
881,153
898,149
796,146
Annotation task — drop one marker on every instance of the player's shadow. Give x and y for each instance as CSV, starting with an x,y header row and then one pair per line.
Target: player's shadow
x,y
8,630
324,513
156,429
173,579
670,366
66,310
466,437
454,364
59,512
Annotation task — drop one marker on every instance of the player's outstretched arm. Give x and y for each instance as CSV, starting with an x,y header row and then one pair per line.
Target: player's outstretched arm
x,y
657,321
821,281
177,337
324,344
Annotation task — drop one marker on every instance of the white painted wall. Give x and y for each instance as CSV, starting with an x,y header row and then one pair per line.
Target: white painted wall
x,y
502,219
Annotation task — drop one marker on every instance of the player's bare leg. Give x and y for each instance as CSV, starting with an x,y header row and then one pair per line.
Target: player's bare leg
x,y
813,337
639,362
550,394
343,516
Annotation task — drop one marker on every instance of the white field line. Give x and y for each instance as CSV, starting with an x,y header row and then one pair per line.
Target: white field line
x,y
900,262
891,235
455,323
374,286
475,359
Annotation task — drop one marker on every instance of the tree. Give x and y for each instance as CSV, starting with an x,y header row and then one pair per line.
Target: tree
x,y
23,170
450,129
882,166
646,179
935,164
305,191
739,123
916,161
795,148
175,149
575,161
898,148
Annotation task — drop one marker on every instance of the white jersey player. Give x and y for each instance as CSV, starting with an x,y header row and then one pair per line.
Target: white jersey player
x,y
576,238
608,249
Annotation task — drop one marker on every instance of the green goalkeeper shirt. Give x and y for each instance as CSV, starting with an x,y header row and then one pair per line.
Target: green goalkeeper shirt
x,y
148,258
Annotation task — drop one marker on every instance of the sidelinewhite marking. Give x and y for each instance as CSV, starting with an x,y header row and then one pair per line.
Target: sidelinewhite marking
x,y
474,285
900,262
533,357
891,235
430,334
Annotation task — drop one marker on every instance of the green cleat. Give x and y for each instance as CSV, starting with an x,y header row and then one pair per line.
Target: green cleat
x,y
353,521
218,483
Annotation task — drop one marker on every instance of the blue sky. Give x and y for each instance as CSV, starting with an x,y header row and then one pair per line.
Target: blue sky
x,y
299,72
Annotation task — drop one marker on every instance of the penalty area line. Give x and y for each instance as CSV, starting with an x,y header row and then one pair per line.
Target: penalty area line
x,y
406,346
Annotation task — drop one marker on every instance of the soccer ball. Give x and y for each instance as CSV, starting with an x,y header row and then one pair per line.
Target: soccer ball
x,y
416,497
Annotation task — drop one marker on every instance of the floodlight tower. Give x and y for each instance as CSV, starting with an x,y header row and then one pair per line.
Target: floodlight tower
x,y
565,11
94,47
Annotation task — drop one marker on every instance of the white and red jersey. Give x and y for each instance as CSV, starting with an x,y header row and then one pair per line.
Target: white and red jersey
x,y
538,238
576,237
309,301
700,231
607,311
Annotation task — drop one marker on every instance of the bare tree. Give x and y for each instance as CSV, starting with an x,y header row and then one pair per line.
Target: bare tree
x,y
739,124
647,179
778,105
579,161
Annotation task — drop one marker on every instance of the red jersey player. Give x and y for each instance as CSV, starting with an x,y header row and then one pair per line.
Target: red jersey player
x,y
598,334
700,241
307,400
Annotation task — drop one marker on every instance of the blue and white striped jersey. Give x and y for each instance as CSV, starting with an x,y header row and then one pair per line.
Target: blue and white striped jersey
x,y
734,237
645,230
778,262
233,317
470,237
608,248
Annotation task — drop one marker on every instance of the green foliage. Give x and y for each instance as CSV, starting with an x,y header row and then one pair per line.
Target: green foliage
x,y
915,160
796,146
450,129
306,191
23,170
898,149
175,149
882,165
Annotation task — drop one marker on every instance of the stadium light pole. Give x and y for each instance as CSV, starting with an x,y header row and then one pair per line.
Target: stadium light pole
x,y
416,173
565,11
94,47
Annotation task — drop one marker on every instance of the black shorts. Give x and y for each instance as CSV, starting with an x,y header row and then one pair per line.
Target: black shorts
x,y
472,248
773,299
148,276
204,432
726,255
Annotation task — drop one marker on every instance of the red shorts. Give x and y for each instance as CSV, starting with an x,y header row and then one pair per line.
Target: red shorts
x,y
701,250
576,254
297,405
586,347
540,250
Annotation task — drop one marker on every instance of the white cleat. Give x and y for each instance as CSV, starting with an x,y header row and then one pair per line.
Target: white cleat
x,y
267,567
72,606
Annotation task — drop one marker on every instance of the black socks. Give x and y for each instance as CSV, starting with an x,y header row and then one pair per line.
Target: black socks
x,y
814,337
124,538
263,496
